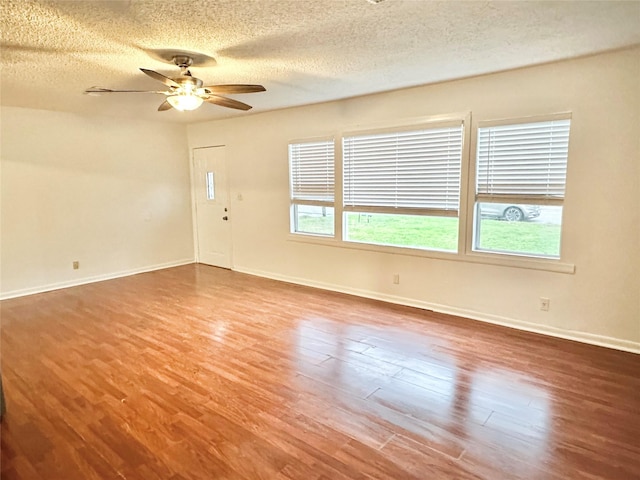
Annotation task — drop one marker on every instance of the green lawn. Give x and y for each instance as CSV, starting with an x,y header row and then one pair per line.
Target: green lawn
x,y
435,233
441,233
521,237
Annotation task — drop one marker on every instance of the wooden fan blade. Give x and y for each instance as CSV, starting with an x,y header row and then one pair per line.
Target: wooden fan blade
x,y
108,90
164,106
235,88
158,76
226,102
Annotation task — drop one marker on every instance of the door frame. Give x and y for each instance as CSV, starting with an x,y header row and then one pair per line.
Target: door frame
x,y
194,202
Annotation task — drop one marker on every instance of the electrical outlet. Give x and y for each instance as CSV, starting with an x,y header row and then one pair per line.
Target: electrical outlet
x,y
396,278
76,265
544,304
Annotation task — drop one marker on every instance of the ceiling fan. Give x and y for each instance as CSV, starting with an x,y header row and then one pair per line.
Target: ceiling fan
x,y
186,92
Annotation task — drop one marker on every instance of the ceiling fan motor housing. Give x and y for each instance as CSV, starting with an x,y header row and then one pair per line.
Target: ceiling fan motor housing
x,y
183,61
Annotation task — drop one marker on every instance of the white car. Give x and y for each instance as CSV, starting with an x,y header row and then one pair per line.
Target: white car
x,y
509,212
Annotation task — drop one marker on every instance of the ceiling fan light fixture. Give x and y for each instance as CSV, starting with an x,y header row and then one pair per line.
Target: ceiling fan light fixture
x,y
185,101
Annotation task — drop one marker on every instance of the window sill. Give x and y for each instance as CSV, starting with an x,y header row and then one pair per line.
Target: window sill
x,y
502,260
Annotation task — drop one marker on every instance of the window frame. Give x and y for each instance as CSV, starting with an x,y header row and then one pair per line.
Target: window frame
x,y
515,258
295,202
420,123
465,252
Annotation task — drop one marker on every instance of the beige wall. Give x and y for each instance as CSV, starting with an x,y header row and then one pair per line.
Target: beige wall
x,y
112,194
599,303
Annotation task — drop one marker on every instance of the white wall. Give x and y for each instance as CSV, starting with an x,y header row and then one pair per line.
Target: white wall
x,y
599,303
110,193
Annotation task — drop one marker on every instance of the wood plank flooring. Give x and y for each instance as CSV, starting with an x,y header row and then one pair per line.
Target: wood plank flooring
x,y
201,373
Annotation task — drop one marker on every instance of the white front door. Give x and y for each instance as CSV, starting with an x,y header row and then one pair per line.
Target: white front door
x,y
213,220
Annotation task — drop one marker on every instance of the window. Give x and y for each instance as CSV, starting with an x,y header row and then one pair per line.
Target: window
x,y
402,188
211,186
521,173
311,170
421,188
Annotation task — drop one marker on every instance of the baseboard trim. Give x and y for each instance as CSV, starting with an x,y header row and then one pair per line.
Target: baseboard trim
x,y
98,278
583,337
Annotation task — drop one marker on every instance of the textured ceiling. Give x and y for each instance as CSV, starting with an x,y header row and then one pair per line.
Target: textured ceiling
x,y
302,51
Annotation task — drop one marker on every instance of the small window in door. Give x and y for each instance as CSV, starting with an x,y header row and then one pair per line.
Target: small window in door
x,y
211,190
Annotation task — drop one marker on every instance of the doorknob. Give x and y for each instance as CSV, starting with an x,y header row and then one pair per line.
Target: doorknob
x,y
225,218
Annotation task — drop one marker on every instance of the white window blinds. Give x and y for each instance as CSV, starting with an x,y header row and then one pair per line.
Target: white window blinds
x,y
526,160
413,170
311,166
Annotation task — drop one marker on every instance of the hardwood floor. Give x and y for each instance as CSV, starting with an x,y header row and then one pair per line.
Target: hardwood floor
x,y
201,373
